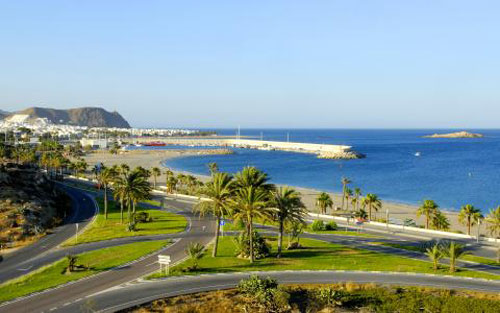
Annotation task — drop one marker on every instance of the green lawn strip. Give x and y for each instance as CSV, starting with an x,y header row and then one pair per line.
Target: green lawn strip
x,y
318,255
102,229
471,258
53,274
342,233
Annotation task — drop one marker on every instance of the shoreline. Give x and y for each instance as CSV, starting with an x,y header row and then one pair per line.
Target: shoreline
x,y
159,158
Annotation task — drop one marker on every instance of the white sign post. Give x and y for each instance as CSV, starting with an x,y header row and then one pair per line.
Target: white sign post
x,y
164,261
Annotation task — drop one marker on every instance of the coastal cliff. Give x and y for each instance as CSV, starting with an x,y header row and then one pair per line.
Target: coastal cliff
x,y
462,134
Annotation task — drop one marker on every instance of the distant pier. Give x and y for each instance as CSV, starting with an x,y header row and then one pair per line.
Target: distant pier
x,y
326,151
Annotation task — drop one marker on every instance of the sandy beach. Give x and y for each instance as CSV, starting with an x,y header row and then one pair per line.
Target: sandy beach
x,y
152,158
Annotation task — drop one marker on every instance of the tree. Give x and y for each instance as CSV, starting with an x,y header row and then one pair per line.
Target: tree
x,y
356,201
454,251
171,184
106,177
155,171
249,203
288,207
324,201
493,226
428,209
251,176
440,221
373,202
348,194
345,181
361,214
219,191
435,254
72,259
195,252
213,167
168,174
468,216
135,187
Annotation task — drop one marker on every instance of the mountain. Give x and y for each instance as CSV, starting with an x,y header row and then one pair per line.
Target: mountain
x,y
91,117
3,114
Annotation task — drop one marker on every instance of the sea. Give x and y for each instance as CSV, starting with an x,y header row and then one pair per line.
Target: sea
x,y
400,165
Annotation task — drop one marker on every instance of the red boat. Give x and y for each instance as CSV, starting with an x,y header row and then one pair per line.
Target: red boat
x,y
155,144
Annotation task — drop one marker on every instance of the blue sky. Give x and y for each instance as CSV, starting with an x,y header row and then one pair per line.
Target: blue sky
x,y
290,63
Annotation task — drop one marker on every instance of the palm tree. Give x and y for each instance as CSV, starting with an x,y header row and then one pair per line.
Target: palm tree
x,y
168,174
440,221
251,176
493,220
345,181
213,167
288,208
155,172
373,202
324,201
454,251
106,177
348,195
119,193
435,254
429,209
124,169
219,191
171,184
135,187
468,216
357,194
361,214
195,252
249,203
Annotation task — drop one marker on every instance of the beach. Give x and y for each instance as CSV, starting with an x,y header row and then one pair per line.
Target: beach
x,y
155,158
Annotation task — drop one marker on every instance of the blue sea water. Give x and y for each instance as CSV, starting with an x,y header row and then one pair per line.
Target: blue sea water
x,y
453,172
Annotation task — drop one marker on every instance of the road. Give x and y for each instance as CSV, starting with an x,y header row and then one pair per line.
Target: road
x,y
137,293
83,210
200,230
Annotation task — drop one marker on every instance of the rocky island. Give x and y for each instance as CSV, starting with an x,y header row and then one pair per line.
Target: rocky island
x,y
462,134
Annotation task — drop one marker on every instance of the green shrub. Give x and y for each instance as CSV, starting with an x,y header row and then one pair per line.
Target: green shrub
x,y
266,293
261,248
318,226
142,217
331,226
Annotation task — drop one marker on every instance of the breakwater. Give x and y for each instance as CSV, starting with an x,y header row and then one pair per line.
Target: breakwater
x,y
324,151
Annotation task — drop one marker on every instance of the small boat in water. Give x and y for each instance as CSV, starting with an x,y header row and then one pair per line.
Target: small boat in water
x,y
417,154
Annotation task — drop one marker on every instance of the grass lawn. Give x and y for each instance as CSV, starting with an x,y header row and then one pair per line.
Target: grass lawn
x,y
102,229
472,258
54,274
318,255
341,233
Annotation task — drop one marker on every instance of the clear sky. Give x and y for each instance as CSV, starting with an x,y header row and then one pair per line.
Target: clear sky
x,y
290,63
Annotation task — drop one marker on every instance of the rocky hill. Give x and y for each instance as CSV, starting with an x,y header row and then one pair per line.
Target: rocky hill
x,y
462,134
3,114
29,205
91,117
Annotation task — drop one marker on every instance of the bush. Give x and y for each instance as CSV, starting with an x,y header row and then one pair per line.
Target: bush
x,y
266,293
261,248
142,217
331,226
318,226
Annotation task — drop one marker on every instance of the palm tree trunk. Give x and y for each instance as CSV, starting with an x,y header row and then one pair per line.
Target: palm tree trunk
x,y
468,226
105,202
217,230
426,221
121,210
128,210
280,240
343,196
251,239
370,210
154,183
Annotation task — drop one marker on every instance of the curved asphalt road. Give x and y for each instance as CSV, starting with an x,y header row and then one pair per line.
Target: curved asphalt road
x,y
137,293
200,229
84,209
